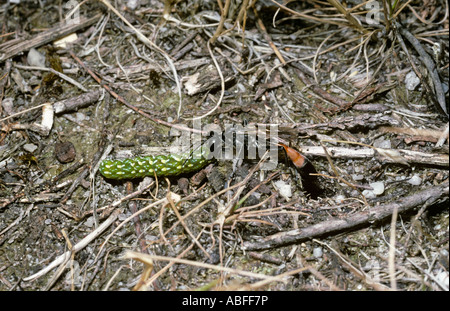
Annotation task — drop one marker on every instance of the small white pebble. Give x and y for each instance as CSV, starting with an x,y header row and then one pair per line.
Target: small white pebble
x,y
144,183
411,81
357,177
382,143
317,252
133,4
443,278
30,148
284,188
359,169
122,217
89,222
378,187
339,199
80,116
34,58
368,194
415,180
241,87
8,105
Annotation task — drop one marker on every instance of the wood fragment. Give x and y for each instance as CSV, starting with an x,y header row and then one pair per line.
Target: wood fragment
x,y
143,68
443,137
352,123
45,37
207,78
266,258
77,102
402,155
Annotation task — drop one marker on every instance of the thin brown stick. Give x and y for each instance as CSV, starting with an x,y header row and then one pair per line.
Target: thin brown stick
x,y
263,29
223,16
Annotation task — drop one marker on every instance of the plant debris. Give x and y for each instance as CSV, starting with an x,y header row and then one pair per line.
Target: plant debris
x,y
353,98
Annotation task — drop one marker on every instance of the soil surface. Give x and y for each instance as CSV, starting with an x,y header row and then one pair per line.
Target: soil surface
x,y
356,199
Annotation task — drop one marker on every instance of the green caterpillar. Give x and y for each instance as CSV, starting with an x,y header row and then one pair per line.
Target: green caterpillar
x,y
161,165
